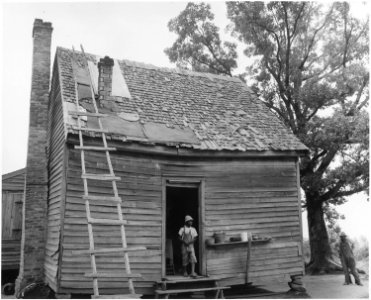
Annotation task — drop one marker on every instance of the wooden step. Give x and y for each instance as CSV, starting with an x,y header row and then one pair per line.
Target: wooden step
x,y
103,198
180,291
90,129
109,250
100,176
93,148
111,275
126,296
87,114
106,221
182,279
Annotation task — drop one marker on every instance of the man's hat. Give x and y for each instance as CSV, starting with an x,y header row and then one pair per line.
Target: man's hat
x,y
188,218
343,234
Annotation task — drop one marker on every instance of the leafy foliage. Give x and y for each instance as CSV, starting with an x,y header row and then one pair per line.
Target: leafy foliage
x,y
198,45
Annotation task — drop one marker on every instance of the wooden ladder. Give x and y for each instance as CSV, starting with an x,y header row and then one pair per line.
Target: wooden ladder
x,y
95,274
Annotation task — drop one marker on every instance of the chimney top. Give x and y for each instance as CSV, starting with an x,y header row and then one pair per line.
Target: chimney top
x,y
106,61
39,24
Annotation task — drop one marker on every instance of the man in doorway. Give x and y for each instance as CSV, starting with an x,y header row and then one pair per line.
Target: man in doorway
x,y
347,260
188,236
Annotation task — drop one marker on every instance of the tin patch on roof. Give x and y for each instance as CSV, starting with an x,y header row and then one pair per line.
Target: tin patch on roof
x,y
131,117
161,133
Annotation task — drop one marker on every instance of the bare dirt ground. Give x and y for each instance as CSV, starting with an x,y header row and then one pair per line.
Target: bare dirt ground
x,y
331,287
327,287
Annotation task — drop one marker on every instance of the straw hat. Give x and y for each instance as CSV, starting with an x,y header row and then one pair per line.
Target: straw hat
x,y
188,218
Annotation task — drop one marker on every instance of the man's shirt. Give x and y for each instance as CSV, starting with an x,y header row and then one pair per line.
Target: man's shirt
x,y
188,230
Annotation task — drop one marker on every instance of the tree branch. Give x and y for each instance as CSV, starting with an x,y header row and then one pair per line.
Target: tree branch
x,y
350,192
332,192
277,110
208,46
311,43
208,65
288,49
297,20
363,103
275,36
326,161
287,103
358,98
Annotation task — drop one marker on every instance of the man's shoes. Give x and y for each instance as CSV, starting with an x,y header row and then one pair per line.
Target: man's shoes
x,y
185,274
194,275
346,283
358,283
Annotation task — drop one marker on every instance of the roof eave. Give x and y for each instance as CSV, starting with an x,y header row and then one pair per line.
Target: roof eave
x,y
157,149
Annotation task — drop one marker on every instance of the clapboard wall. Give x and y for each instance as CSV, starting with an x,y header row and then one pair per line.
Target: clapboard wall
x,y
259,195
11,230
56,181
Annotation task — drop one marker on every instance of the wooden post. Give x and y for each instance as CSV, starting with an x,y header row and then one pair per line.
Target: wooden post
x,y
248,258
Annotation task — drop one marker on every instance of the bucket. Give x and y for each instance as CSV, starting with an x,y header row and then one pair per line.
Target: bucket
x,y
219,237
244,236
210,241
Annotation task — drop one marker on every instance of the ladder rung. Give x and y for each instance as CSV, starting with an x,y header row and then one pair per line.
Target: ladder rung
x,y
90,129
100,176
127,296
112,275
87,114
102,198
106,221
109,250
92,148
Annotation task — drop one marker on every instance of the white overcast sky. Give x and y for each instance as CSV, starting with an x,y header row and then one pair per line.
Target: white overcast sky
x,y
131,30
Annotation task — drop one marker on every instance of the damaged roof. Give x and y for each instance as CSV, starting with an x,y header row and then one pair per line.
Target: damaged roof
x,y
176,108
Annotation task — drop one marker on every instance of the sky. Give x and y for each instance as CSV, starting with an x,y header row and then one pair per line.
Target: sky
x,y
131,30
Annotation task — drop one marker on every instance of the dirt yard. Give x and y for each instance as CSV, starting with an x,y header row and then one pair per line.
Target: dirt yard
x,y
331,286
328,287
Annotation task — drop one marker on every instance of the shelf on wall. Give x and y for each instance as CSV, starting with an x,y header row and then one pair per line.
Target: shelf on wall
x,y
258,241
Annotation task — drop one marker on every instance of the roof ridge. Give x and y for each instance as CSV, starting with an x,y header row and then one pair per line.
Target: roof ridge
x,y
179,71
148,66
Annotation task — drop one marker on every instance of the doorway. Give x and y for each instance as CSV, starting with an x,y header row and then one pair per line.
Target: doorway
x,y
181,200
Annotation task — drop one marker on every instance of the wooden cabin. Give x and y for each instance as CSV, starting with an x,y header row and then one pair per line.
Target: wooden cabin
x,y
12,198
187,143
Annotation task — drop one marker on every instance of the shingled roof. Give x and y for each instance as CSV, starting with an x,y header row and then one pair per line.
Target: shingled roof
x,y
180,108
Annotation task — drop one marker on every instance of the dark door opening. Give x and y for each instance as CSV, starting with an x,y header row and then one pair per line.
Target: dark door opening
x,y
180,201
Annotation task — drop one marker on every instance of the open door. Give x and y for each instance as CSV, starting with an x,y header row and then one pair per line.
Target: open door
x,y
181,200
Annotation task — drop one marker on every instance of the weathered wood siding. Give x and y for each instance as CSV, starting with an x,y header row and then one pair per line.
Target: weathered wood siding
x,y
256,195
14,181
140,188
261,197
56,136
11,230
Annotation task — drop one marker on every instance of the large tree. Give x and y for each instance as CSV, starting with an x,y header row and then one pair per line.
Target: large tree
x,y
313,73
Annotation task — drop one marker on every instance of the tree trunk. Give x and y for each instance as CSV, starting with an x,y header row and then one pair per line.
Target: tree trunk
x,y
321,260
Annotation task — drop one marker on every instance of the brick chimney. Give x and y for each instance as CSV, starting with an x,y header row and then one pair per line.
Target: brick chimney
x,y
105,68
36,186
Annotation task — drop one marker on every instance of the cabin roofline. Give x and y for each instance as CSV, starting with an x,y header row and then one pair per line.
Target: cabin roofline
x,y
13,173
135,147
